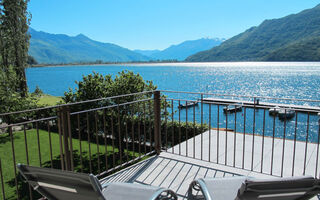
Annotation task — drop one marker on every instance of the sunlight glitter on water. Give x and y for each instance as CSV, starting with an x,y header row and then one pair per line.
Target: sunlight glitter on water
x,y
275,79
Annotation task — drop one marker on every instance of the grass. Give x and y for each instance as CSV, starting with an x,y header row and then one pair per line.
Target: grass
x,y
46,99
34,156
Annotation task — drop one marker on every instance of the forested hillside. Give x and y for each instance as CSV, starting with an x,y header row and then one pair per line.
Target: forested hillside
x,y
294,37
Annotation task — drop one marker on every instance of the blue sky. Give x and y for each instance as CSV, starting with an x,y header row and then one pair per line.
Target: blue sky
x,y
157,24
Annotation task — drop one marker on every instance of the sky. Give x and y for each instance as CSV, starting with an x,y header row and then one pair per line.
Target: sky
x,y
157,24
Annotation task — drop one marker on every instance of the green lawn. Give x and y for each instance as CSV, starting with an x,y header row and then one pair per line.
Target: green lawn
x,y
49,100
20,154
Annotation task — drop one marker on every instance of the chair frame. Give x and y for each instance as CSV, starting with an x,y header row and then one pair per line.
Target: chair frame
x,y
200,186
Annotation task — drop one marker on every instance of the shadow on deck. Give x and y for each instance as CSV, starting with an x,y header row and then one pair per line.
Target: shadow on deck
x,y
172,171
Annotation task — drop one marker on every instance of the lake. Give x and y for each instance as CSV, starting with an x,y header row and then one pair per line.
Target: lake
x,y
274,79
300,80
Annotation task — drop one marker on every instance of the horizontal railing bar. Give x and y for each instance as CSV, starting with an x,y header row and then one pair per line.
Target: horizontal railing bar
x,y
27,122
75,103
112,106
30,110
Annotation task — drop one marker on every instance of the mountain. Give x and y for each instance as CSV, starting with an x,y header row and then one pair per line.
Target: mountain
x,y
272,40
183,50
147,52
305,50
59,48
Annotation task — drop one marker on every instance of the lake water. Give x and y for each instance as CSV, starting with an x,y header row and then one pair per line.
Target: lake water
x,y
299,80
293,80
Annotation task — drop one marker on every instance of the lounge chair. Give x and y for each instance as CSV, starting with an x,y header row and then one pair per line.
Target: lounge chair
x,y
59,185
244,188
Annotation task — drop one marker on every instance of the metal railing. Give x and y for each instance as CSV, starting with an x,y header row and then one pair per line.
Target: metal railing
x,y
104,135
96,136
251,138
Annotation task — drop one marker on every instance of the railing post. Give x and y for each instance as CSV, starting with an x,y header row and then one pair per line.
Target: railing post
x,y
318,147
2,182
63,115
202,126
157,122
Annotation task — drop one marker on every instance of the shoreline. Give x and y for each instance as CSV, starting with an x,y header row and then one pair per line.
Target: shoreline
x,y
96,64
192,64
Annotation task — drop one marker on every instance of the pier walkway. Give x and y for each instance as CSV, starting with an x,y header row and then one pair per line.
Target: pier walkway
x,y
260,104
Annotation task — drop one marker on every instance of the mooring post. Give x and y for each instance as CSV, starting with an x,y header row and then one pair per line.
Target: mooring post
x,y
157,122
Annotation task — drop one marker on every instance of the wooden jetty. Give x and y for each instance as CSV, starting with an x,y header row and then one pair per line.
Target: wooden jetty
x,y
259,104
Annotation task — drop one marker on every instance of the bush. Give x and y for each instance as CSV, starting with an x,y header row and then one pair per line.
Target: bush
x,y
38,92
180,133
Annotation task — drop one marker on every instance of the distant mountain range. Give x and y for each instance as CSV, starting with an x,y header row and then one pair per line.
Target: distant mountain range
x,y
148,53
59,48
183,50
292,38
49,48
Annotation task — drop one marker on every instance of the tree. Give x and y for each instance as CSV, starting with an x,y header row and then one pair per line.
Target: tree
x,y
14,41
11,100
96,86
32,61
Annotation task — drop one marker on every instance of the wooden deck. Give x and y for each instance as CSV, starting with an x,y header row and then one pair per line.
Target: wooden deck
x,y
170,171
176,172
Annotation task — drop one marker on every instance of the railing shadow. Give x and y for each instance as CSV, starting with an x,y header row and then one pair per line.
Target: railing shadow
x,y
166,172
